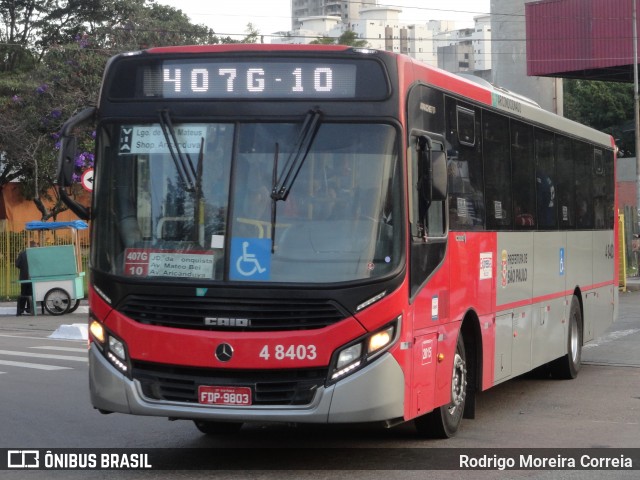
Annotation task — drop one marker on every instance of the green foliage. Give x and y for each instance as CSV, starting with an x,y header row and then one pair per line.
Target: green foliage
x,y
348,38
598,104
606,106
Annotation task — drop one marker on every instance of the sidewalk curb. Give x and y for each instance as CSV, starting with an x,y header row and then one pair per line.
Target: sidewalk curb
x,y
11,311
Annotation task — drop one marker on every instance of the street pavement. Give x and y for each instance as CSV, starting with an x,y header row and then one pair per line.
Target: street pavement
x,y
72,326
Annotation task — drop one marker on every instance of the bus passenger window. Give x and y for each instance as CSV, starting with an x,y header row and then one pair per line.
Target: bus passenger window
x,y
495,150
466,126
599,190
584,186
565,191
522,168
464,167
546,200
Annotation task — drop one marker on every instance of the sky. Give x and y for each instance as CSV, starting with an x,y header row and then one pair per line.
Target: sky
x,y
230,17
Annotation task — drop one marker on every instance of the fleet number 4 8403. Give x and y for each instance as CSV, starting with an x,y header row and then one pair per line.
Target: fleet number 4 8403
x,y
290,352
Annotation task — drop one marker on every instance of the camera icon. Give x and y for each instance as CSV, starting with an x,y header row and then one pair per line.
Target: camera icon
x,y
23,459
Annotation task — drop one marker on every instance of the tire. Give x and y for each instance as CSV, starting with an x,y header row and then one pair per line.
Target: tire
x,y
74,307
57,301
217,428
568,366
444,421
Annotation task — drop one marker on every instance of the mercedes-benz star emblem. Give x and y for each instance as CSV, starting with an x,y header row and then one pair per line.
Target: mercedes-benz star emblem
x,y
224,352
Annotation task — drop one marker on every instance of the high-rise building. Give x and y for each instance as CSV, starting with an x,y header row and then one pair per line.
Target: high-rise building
x,y
347,10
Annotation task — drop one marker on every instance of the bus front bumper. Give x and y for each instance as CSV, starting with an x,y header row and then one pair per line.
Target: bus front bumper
x,y
375,393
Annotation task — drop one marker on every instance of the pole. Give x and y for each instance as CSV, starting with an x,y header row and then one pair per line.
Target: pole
x,y
636,103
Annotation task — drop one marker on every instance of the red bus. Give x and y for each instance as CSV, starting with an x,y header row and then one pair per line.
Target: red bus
x,y
326,234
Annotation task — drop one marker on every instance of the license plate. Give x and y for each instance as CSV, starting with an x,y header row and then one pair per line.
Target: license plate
x,y
212,395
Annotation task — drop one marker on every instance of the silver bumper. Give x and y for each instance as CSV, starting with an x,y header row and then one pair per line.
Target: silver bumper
x,y
374,393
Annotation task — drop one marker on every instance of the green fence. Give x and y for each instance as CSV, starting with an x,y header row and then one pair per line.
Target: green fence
x,y
11,243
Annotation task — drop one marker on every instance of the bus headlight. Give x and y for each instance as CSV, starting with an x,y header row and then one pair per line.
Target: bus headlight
x,y
356,355
349,355
117,347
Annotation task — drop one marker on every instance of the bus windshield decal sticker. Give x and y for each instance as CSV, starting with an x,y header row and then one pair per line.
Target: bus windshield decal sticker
x,y
217,241
142,262
149,139
250,259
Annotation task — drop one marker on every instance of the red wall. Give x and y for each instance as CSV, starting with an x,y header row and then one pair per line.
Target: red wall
x,y
574,35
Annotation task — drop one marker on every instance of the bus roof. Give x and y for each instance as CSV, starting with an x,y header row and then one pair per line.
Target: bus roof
x,y
247,47
506,101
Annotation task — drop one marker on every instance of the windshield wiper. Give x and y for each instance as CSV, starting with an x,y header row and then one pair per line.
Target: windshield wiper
x,y
298,155
183,162
274,179
198,210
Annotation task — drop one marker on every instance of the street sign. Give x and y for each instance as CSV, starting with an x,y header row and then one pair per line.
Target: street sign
x,y
87,180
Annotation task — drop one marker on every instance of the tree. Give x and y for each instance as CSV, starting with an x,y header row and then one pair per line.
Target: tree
x,y
606,106
598,104
32,27
59,71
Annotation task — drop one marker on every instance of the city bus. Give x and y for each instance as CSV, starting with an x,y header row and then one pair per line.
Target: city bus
x,y
327,234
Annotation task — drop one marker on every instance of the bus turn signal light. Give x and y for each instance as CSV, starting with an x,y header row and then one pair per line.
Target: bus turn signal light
x,y
97,331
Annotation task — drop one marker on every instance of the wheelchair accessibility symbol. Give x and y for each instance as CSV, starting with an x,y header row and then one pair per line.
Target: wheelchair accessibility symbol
x,y
250,259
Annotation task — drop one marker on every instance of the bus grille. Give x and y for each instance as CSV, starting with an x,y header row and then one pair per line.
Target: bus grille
x,y
180,384
231,314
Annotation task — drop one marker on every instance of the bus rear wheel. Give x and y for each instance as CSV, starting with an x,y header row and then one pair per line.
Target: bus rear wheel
x,y
217,428
444,421
568,366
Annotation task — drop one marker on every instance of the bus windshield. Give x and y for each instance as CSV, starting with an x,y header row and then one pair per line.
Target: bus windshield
x,y
196,204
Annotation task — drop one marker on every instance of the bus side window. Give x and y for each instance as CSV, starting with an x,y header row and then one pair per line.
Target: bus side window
x,y
599,189
546,200
522,168
464,152
565,152
497,167
583,181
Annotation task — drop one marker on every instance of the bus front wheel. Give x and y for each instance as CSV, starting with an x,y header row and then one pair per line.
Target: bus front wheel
x,y
444,421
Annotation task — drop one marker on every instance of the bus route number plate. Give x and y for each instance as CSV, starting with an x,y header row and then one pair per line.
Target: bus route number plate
x,y
232,396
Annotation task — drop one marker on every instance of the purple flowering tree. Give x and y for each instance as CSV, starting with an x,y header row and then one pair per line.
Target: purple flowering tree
x,y
54,69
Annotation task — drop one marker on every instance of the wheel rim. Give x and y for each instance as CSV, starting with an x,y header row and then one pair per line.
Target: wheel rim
x,y
574,340
57,301
458,384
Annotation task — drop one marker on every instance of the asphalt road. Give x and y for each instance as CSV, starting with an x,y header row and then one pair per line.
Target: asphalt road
x,y
44,403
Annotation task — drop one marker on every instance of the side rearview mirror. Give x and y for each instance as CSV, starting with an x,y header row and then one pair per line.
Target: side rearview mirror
x,y
66,160
438,176
69,146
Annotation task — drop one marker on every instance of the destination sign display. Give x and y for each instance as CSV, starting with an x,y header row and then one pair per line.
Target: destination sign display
x,y
263,78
